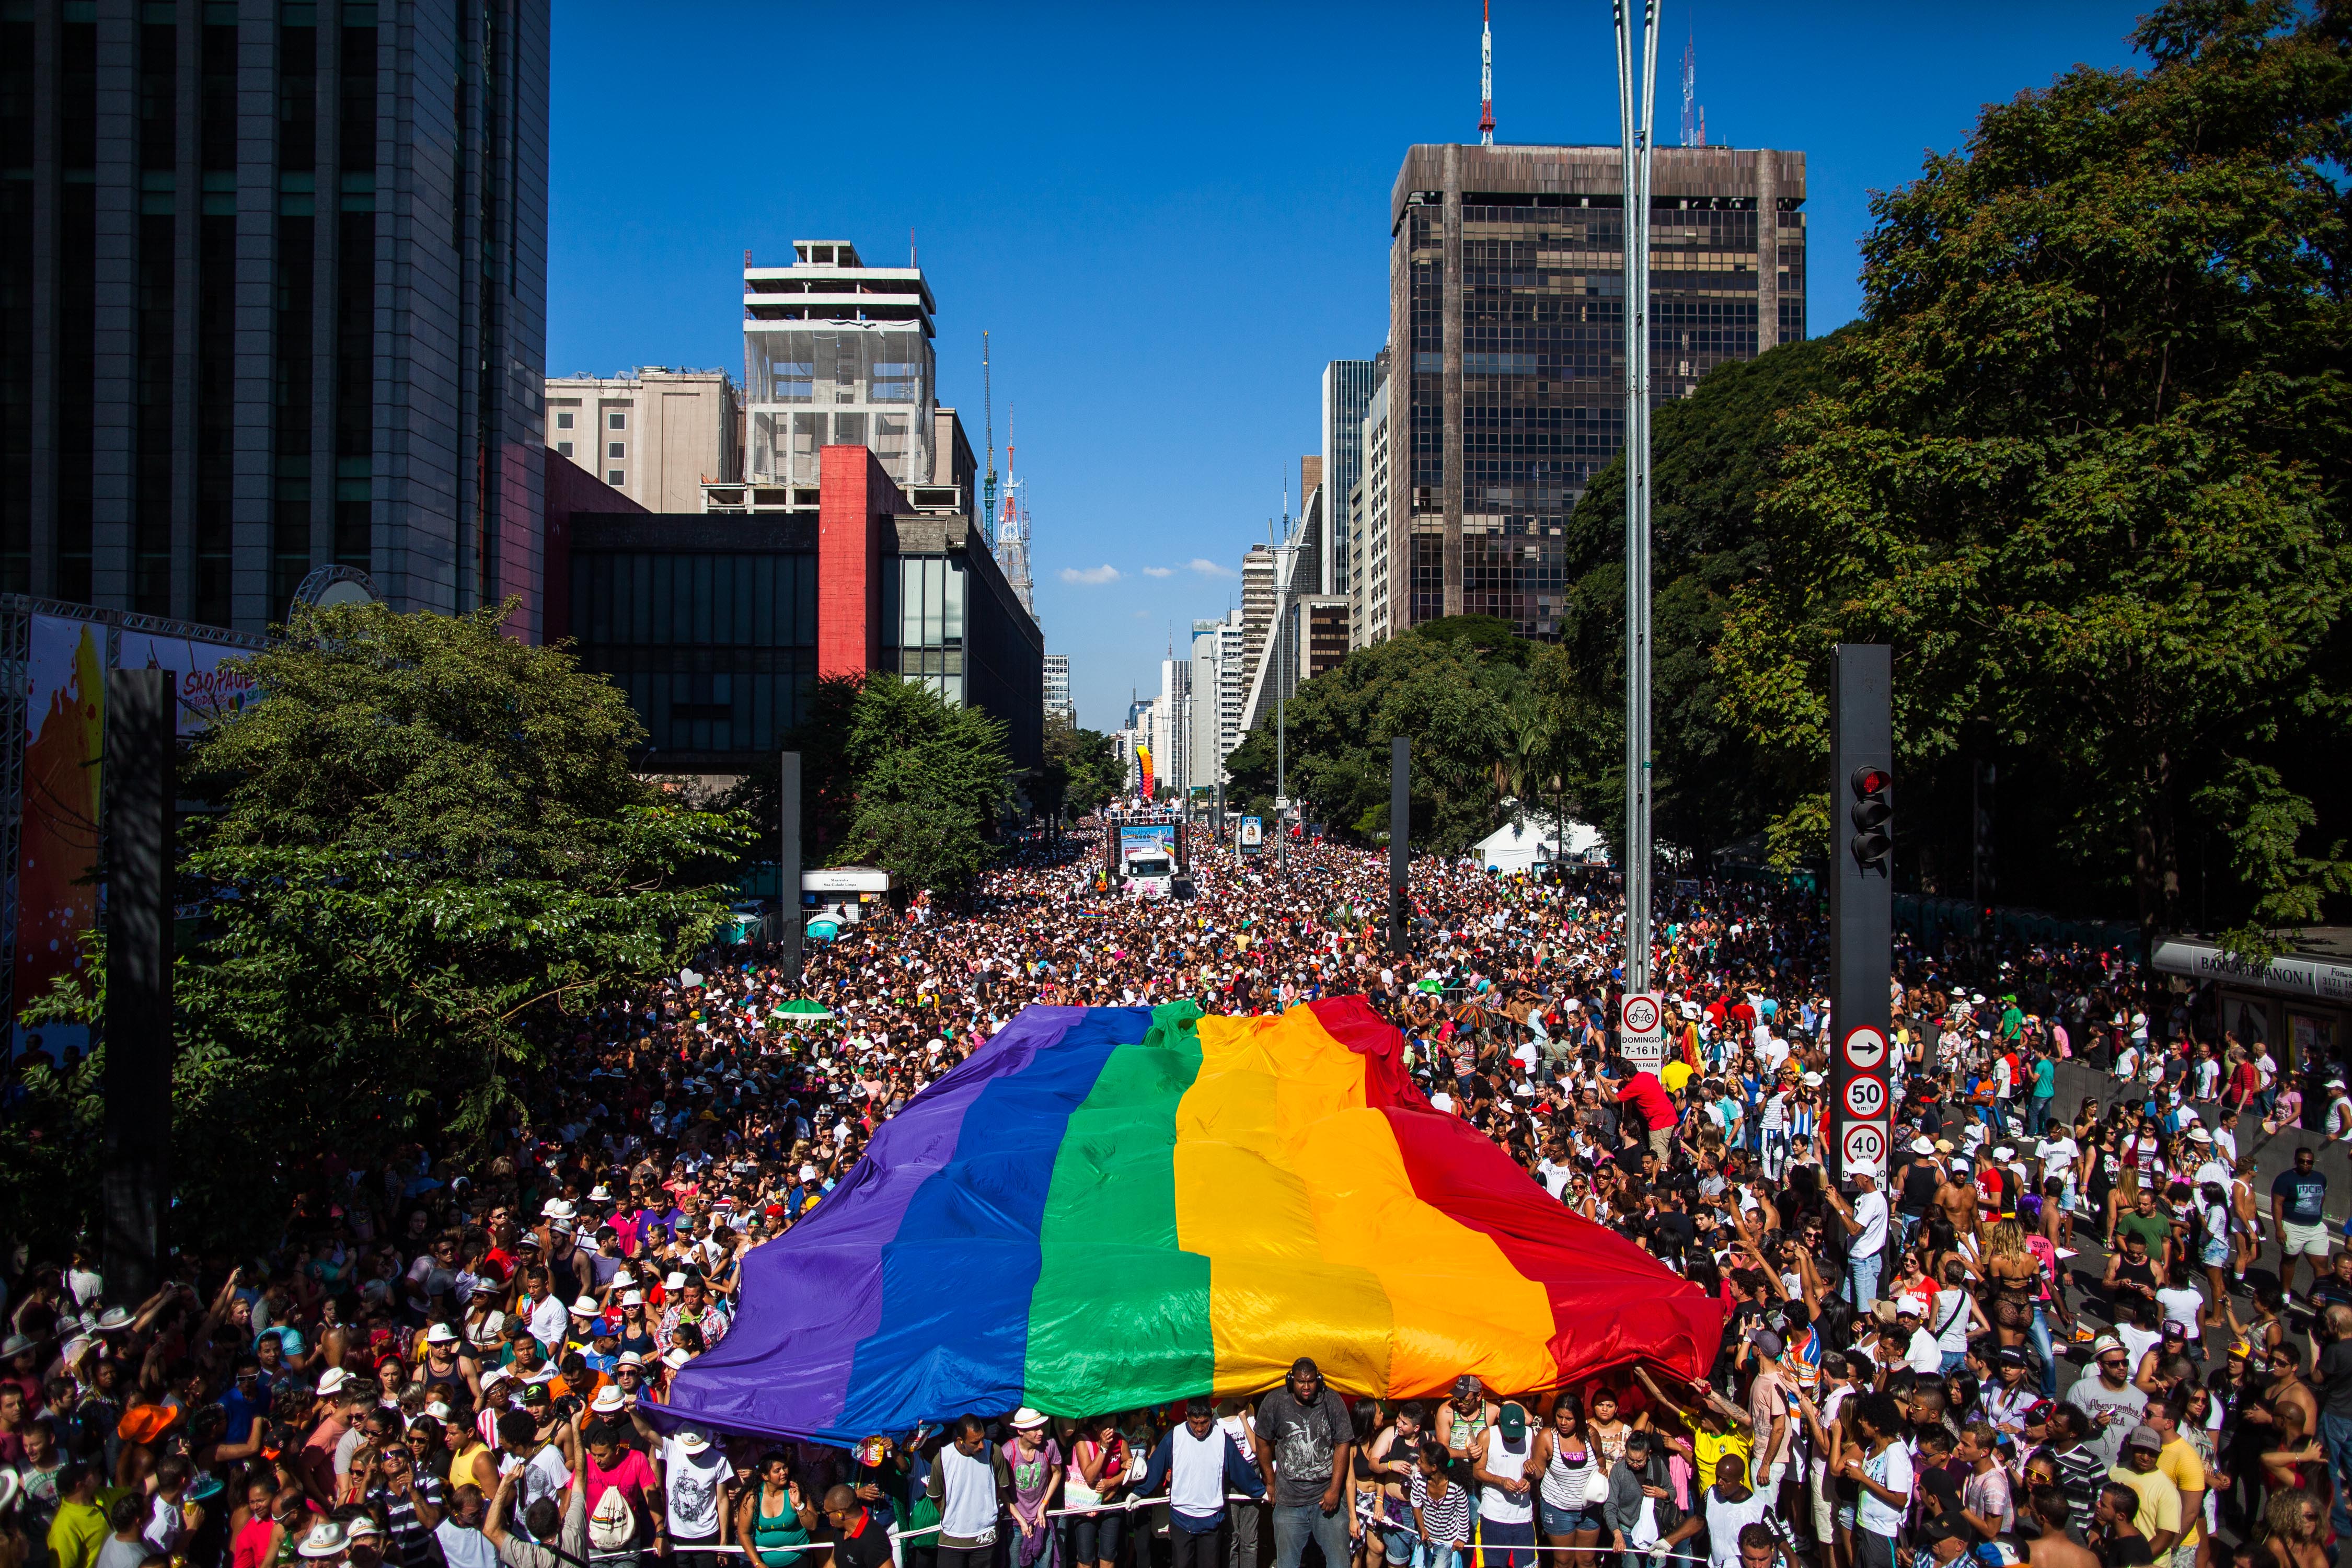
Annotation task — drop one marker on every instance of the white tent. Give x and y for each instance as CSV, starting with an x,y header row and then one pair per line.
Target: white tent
x,y
1525,842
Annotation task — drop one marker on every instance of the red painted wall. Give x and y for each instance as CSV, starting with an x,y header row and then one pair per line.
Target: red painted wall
x,y
856,502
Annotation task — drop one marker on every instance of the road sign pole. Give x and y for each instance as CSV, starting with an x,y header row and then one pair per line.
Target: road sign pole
x,y
1861,910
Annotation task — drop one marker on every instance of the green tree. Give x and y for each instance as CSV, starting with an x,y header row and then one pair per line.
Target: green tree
x,y
932,779
429,856
2086,475
1712,453
1454,696
1080,770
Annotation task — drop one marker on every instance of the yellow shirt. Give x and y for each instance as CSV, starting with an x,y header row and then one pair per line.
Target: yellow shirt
x,y
1674,1075
2179,1460
76,1535
1707,1449
2160,1499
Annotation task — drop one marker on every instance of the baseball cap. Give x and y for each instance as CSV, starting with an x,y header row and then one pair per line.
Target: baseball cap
x,y
1765,1339
1512,1421
2145,1436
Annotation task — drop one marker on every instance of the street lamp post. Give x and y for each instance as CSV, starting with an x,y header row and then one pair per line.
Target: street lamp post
x,y
1635,164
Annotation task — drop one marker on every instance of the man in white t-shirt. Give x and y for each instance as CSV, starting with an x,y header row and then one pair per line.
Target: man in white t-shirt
x,y
1866,1226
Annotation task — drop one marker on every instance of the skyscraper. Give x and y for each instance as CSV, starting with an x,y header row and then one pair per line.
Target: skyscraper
x,y
1058,708
1368,521
1346,392
1257,607
1507,324
272,298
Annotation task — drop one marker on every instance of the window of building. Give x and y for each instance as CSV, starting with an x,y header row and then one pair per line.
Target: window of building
x,y
616,448
563,421
615,477
565,447
617,421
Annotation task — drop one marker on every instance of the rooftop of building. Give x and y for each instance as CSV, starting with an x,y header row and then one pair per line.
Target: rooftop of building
x,y
1590,174
643,373
828,282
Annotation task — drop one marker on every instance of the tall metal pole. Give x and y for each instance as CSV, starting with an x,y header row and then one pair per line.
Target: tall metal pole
x,y
1633,120
788,862
1281,735
140,714
1400,840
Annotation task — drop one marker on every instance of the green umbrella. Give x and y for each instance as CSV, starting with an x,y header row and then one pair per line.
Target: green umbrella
x,y
801,1008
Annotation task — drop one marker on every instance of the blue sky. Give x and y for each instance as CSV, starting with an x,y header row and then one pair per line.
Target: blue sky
x,y
1170,218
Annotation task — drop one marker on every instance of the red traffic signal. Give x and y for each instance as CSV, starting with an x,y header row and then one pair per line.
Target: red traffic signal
x,y
1873,815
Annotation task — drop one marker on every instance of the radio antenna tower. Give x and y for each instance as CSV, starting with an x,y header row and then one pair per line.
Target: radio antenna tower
x,y
1486,73
988,412
1011,538
1694,117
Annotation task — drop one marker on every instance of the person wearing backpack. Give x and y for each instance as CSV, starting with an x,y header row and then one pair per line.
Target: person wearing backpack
x,y
624,1496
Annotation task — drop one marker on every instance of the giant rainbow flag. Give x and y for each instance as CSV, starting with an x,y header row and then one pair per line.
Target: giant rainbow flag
x,y
1108,1207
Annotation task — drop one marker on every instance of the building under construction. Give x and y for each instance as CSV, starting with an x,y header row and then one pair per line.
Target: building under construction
x,y
853,544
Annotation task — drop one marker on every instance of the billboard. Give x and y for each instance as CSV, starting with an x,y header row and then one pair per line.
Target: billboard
x,y
1252,834
56,846
1137,834
205,689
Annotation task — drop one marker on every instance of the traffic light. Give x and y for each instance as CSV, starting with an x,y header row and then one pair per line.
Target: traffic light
x,y
1873,810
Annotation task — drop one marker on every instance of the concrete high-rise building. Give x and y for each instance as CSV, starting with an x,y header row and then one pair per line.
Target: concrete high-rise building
x,y
1171,727
1058,707
1257,607
657,435
1347,394
1208,758
272,298
1232,683
1507,324
1368,521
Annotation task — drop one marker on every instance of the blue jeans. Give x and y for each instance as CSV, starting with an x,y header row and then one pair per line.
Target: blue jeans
x,y
1434,1554
2037,1114
1502,1545
2335,1432
1862,1280
1292,1526
2040,1334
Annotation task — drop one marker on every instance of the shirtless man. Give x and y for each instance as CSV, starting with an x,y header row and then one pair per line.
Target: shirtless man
x,y
1956,1200
2052,1548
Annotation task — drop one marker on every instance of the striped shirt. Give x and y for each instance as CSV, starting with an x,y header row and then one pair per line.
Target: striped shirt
x,y
1446,1520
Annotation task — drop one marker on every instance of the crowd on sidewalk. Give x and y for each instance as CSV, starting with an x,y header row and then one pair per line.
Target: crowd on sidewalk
x,y
2045,1332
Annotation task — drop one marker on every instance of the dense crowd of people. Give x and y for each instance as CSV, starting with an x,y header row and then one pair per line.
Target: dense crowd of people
x,y
2047,1333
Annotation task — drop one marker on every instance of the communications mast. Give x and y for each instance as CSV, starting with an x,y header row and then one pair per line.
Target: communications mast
x,y
1486,73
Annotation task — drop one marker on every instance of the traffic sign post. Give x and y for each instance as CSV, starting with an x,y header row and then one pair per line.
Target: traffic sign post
x,y
1862,908
1642,1030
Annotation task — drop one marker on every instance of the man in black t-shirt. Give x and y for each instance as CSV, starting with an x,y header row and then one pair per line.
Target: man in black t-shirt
x,y
1304,1438
860,1539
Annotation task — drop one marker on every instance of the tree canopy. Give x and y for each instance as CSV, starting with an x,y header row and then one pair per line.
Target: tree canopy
x,y
1476,701
429,857
2085,471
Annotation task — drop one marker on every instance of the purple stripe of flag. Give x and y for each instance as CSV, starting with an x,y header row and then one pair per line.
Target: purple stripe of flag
x,y
784,1369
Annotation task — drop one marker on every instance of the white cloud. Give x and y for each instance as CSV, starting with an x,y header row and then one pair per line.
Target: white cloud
x,y
1092,576
1208,568
1160,571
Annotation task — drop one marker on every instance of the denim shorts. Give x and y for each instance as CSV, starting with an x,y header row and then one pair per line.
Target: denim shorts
x,y
1567,1521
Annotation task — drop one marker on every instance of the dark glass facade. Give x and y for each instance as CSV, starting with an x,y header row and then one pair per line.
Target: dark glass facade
x,y
226,228
1508,286
715,648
